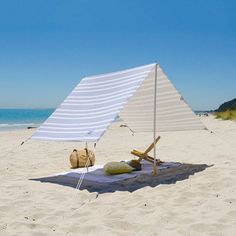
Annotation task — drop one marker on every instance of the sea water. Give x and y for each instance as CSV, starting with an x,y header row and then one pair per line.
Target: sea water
x,y
22,118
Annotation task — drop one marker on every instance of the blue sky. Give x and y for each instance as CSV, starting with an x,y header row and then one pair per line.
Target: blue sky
x,y
46,47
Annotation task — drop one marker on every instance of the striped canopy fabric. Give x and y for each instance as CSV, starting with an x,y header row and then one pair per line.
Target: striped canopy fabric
x,y
98,100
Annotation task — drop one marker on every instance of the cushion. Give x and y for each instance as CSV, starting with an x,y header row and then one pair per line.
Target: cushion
x,y
114,168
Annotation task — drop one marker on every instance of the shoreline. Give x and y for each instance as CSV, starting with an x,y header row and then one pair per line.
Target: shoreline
x,y
16,128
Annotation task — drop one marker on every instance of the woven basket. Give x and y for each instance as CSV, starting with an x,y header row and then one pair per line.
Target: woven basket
x,y
79,158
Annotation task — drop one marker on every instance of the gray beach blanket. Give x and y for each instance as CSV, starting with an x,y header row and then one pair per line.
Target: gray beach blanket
x,y
96,173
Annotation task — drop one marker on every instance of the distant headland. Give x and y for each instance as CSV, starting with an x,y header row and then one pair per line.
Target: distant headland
x,y
227,110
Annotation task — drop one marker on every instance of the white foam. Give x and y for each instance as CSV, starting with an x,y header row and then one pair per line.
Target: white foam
x,y
18,125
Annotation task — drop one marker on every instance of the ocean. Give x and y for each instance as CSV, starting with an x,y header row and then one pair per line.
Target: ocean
x,y
22,118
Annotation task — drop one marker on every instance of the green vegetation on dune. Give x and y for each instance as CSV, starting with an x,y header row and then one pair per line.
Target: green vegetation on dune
x,y
227,106
226,115
227,110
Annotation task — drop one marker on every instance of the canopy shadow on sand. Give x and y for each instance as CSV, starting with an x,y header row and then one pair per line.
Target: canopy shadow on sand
x,y
165,176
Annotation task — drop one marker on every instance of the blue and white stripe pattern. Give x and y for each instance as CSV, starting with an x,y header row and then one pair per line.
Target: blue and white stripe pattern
x,y
92,106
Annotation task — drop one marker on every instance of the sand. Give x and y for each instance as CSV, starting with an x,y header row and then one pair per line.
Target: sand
x,y
197,199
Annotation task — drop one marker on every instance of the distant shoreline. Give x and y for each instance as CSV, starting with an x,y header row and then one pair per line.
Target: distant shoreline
x,y
14,119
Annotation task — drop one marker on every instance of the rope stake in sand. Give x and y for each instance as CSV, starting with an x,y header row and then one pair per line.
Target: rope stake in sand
x,y
23,142
82,177
85,168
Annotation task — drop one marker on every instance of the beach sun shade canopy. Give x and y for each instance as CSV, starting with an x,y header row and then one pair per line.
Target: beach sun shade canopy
x,y
98,100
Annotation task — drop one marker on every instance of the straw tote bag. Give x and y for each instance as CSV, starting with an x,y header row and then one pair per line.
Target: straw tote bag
x,y
79,158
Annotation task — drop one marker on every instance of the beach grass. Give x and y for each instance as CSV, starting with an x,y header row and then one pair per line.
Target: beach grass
x,y
226,115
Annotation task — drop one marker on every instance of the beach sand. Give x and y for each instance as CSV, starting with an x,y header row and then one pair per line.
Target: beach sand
x,y
198,199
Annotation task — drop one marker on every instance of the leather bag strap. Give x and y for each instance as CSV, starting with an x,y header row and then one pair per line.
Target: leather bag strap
x,y
77,157
87,154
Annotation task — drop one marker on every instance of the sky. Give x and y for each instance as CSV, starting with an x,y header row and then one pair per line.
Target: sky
x,y
46,47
